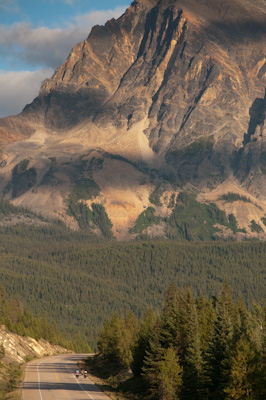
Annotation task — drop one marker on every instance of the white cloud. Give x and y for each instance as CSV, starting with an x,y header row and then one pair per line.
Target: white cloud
x,y
45,46
41,48
98,17
19,88
37,46
9,5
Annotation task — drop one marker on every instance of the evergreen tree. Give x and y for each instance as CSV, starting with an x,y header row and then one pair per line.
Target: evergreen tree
x,y
129,335
241,320
142,345
241,376
152,360
170,318
117,339
109,343
169,376
192,376
217,368
259,374
206,315
200,350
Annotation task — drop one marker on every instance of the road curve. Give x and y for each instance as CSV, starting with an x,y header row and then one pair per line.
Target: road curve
x,y
53,378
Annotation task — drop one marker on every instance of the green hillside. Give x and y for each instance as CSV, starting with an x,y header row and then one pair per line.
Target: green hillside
x,y
79,282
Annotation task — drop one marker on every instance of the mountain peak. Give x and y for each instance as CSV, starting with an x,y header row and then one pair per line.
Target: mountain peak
x,y
172,92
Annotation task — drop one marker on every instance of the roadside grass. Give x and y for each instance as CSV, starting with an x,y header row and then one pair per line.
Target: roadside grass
x,y
116,383
12,377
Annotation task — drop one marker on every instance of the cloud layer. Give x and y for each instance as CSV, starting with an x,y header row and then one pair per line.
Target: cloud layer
x,y
40,49
9,5
19,88
48,47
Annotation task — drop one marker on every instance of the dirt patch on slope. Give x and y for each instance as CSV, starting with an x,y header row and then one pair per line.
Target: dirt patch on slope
x,y
246,210
124,194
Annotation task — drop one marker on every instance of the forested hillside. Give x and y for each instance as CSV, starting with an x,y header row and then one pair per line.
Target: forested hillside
x,y
79,282
194,349
16,318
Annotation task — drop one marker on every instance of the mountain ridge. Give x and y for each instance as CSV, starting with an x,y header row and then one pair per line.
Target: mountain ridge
x,y
175,90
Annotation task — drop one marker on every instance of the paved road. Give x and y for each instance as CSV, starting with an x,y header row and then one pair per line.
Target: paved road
x,y
53,378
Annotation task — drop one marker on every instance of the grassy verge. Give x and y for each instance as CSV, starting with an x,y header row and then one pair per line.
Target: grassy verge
x,y
115,383
12,377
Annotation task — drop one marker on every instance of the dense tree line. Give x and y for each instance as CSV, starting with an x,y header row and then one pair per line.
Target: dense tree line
x,y
79,282
193,349
16,318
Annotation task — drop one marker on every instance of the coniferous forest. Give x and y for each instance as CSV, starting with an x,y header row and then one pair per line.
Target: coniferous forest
x,y
200,340
79,280
20,320
193,349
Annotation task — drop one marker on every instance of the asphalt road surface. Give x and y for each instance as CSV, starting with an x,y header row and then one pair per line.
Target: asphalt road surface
x,y
54,378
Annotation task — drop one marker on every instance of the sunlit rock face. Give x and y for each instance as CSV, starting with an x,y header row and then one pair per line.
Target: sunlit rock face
x,y
173,92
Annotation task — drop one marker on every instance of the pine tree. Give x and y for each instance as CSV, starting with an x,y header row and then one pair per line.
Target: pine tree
x,y
109,343
206,316
117,339
192,376
164,336
151,365
169,376
170,318
259,375
142,345
217,368
242,371
129,326
241,320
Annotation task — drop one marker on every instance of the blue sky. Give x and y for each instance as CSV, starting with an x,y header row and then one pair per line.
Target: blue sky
x,y
36,36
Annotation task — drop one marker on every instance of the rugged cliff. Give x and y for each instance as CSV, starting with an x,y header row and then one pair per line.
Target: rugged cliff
x,y
169,96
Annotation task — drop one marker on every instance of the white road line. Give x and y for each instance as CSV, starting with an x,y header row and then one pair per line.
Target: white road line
x,y
80,385
39,380
87,393
83,389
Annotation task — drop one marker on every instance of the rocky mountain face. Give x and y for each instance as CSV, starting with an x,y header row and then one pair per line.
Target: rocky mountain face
x,y
169,98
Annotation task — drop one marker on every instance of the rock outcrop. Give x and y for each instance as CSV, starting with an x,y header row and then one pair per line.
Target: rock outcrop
x,y
170,94
18,349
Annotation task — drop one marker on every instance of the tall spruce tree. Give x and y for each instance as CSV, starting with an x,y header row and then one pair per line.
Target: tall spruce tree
x,y
241,320
142,345
109,343
192,363
164,337
117,339
129,335
151,365
259,376
206,316
169,376
217,367
243,364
